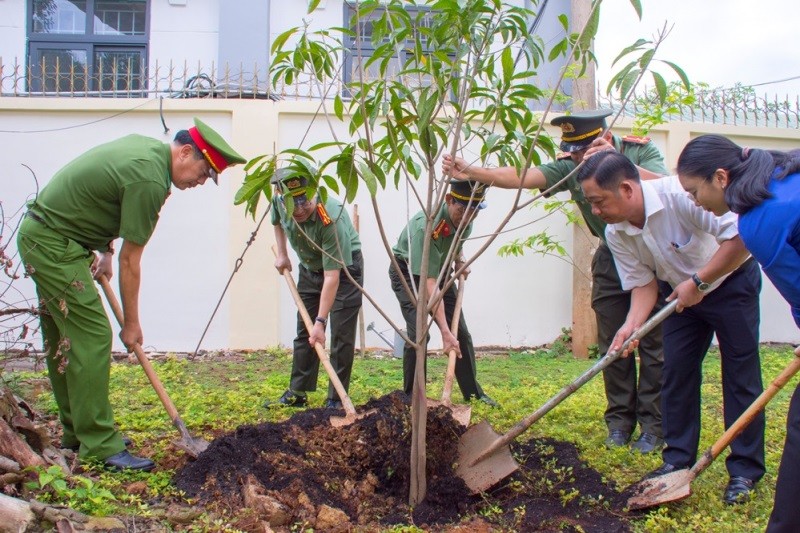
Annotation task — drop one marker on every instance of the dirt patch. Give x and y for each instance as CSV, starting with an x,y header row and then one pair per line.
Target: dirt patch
x,y
305,471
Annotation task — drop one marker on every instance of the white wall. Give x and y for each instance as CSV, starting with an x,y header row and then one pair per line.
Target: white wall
x,y
12,32
185,264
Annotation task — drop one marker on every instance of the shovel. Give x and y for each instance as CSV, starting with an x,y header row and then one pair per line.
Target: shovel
x,y
460,413
191,445
677,485
350,411
484,457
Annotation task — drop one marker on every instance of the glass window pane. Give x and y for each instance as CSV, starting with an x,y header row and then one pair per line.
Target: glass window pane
x,y
120,17
119,71
63,70
59,16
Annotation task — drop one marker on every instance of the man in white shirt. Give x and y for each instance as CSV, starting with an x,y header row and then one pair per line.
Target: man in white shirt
x,y
662,241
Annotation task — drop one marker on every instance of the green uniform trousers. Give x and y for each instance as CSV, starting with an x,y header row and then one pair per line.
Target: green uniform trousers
x,y
466,371
629,402
343,319
77,337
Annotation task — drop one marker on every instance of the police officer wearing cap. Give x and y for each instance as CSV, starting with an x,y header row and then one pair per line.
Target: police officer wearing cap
x,y
631,401
115,190
326,243
454,219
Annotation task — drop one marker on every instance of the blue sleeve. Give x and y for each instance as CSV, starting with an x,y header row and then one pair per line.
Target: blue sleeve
x,y
773,237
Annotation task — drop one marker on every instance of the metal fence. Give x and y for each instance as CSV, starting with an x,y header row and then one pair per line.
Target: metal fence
x,y
735,107
66,78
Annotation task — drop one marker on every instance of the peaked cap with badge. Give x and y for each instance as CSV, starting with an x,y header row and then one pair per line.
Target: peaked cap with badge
x,y
219,154
469,193
291,183
578,130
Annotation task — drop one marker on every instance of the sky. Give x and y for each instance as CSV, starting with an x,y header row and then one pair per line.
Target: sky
x,y
720,42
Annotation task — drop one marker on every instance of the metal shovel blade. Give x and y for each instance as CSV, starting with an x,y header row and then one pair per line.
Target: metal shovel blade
x,y
341,421
481,474
661,489
193,446
460,413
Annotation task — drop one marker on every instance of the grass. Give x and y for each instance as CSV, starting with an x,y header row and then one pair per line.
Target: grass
x,y
221,395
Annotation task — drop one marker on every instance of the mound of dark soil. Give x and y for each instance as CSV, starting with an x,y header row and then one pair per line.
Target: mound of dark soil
x,y
306,471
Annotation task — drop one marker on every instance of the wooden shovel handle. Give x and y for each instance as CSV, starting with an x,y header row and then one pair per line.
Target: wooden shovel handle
x,y
447,388
347,403
749,414
143,360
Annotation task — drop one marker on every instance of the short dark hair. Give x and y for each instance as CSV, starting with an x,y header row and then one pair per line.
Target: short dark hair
x,y
608,168
749,170
183,137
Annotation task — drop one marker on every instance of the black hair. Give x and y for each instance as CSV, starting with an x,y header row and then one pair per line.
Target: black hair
x,y
183,137
749,170
609,169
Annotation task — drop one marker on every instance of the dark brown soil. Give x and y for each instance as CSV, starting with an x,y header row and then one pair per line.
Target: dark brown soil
x,y
287,473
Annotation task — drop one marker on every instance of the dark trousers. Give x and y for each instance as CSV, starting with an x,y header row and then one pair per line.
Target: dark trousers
x,y
628,401
732,312
785,517
466,371
343,320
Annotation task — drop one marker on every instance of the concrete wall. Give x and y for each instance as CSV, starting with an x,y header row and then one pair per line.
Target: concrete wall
x,y
509,301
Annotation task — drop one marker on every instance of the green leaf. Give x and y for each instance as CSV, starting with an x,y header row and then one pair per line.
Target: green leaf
x,y
250,188
590,30
281,39
679,71
625,51
637,5
369,178
253,161
508,64
644,61
338,107
312,5
661,86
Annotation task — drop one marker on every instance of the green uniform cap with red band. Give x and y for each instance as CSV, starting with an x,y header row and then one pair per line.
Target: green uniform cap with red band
x,y
219,154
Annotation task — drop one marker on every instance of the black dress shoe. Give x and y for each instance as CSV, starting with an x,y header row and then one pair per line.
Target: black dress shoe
x,y
125,461
738,490
332,404
617,438
647,443
665,468
75,447
489,401
289,399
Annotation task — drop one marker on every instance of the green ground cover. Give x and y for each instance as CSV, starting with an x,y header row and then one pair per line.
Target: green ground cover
x,y
221,394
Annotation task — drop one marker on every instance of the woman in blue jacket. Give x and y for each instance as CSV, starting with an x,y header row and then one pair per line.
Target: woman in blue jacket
x,y
763,188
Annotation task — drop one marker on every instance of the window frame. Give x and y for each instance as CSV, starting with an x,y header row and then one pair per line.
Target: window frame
x,y
366,48
92,43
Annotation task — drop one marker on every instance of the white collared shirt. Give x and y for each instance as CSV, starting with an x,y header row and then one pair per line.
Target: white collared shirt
x,y
677,240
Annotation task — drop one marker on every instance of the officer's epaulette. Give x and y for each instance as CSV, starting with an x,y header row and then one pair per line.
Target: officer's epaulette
x,y
563,155
323,214
635,140
442,228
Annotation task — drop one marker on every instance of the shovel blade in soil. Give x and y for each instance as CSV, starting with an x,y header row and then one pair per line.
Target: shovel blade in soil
x,y
661,489
460,413
340,421
487,471
192,446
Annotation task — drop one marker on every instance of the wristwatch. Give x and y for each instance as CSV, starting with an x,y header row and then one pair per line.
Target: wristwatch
x,y
323,321
702,286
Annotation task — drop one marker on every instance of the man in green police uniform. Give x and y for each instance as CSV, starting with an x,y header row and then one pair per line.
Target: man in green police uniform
x,y
325,242
628,402
113,190
459,209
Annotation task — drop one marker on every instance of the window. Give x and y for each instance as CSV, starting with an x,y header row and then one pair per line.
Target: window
x,y
361,48
86,46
